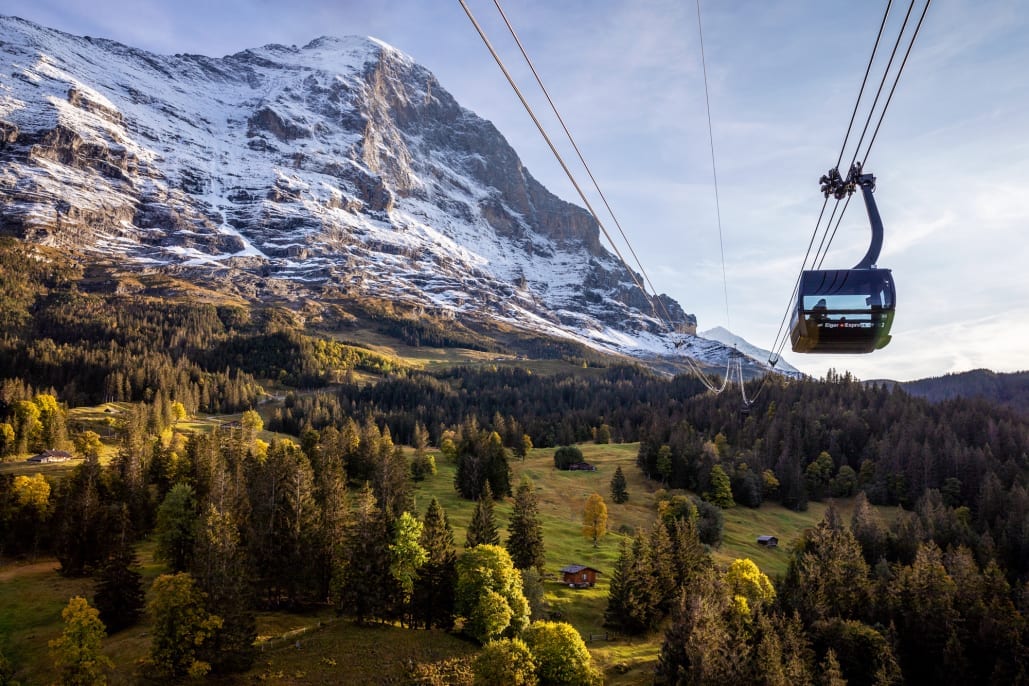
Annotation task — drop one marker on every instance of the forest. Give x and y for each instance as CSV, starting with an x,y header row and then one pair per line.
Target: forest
x,y
321,513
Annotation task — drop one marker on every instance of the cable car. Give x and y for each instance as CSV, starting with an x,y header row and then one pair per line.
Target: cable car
x,y
846,310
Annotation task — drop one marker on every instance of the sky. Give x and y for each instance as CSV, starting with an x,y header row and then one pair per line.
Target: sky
x,y
951,158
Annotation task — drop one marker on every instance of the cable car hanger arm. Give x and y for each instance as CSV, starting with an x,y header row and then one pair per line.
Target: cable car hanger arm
x,y
833,184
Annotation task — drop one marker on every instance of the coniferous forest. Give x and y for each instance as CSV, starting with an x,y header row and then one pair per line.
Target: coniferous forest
x,y
322,512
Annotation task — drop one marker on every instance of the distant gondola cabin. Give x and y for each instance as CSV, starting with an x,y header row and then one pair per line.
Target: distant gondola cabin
x,y
579,576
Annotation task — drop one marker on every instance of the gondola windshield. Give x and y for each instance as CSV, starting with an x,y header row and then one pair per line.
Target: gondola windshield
x,y
844,311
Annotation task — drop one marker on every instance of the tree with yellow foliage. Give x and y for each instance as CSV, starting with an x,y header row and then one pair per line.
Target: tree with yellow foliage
x,y
76,653
594,519
746,581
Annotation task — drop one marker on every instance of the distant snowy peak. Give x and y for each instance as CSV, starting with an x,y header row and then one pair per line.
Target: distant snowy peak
x,y
341,169
726,337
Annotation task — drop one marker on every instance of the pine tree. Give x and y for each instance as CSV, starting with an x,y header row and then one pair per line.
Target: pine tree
x,y
119,594
661,562
690,557
525,530
392,481
831,673
176,527
362,589
483,527
619,492
285,518
81,520
223,573
721,488
633,598
433,598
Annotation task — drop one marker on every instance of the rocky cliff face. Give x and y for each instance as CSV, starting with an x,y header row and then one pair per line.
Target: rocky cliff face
x,y
340,167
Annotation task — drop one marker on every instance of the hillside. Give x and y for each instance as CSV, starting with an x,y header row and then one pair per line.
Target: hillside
x,y
1011,390
38,590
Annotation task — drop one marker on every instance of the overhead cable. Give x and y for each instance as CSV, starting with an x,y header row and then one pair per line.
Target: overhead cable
x,y
575,146
714,169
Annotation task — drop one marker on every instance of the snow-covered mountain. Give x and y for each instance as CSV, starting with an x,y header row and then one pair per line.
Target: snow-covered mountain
x,y
341,169
723,335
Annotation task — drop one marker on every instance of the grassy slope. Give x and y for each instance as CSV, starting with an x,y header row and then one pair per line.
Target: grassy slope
x,y
32,596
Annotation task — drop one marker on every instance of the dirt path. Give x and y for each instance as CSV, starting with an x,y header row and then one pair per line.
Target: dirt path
x,y
16,569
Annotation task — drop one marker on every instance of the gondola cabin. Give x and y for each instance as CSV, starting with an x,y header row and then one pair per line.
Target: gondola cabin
x,y
843,311
846,310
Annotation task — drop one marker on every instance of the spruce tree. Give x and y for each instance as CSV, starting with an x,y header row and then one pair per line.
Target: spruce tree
x,y
483,527
119,594
619,492
176,527
223,573
433,599
525,530
633,595
363,588
661,562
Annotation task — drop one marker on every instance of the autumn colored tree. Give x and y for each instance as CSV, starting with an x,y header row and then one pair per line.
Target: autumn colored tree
x,y
32,493
87,443
525,530
744,579
52,430
181,626
76,654
523,446
594,519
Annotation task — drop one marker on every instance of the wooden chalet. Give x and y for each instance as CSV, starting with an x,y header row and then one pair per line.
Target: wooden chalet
x,y
768,541
579,576
581,467
48,456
